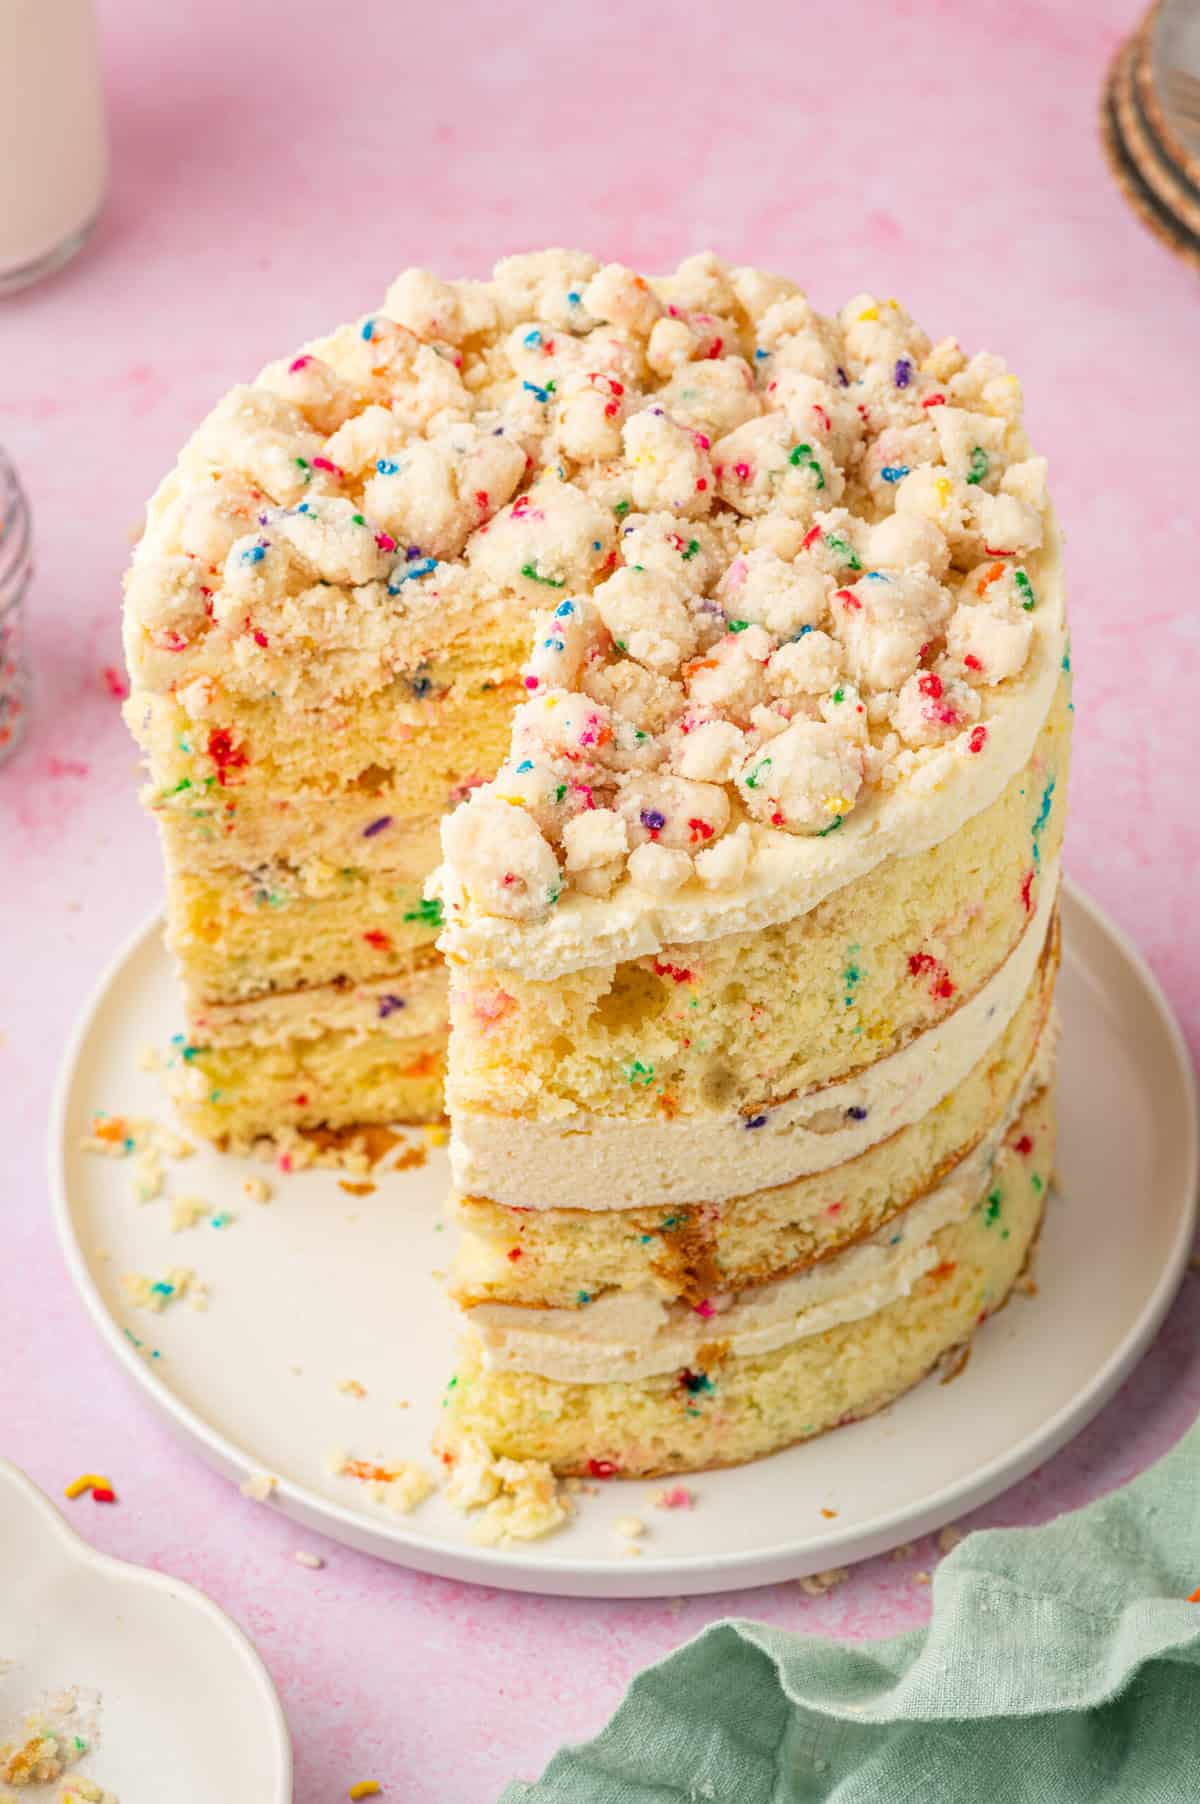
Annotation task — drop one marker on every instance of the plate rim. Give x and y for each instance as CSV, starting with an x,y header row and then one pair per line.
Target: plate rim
x,y
690,1574
73,1547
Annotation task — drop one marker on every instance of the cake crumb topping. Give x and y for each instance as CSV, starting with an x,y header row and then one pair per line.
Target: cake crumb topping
x,y
777,558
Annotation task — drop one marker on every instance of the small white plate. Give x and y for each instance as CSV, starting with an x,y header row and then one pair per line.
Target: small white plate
x,y
166,1665
320,1287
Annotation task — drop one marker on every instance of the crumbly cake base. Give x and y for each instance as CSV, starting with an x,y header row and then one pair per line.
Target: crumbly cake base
x,y
738,1409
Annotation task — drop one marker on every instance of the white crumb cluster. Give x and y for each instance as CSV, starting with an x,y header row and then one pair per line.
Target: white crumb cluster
x,y
145,1144
518,1500
399,1485
780,556
259,1487
155,1294
136,1137
50,1743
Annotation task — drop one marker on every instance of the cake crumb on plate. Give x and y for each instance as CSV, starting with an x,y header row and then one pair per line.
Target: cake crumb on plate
x,y
520,1500
400,1486
155,1293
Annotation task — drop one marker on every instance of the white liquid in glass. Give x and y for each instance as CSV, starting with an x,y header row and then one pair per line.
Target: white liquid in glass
x,y
53,149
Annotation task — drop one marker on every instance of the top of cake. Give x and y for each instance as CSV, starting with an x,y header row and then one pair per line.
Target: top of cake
x,y
821,608
793,573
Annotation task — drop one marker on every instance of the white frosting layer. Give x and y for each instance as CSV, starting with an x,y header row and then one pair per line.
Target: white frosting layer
x,y
789,875
405,1005
630,1335
595,1162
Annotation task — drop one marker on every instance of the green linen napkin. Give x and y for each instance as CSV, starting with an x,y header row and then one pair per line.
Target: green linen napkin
x,y
1061,1666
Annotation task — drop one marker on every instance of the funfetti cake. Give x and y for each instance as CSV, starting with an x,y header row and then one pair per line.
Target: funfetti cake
x,y
324,624
752,939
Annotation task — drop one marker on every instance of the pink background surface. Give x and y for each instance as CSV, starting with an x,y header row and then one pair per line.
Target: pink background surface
x,y
274,166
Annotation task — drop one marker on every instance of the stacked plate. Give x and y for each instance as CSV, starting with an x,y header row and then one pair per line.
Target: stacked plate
x,y
1151,123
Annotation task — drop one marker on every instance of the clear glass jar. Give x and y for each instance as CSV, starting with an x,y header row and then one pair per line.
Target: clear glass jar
x,y
53,142
16,568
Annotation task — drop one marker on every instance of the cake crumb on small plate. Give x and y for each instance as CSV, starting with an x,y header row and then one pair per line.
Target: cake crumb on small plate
x,y
949,1537
312,1561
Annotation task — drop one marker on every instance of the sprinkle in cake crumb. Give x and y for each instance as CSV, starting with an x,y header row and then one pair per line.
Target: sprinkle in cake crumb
x,y
676,1497
817,1584
155,1293
84,1791
521,1500
400,1486
52,1740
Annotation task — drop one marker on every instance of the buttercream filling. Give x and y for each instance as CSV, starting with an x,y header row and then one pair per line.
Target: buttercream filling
x,y
404,1005
587,1161
631,1335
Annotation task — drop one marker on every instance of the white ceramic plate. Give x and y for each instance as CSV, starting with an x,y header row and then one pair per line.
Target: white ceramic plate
x,y
164,1661
321,1287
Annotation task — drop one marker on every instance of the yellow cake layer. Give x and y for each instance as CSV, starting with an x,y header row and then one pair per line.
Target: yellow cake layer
x,y
431,732
752,1018
732,1409
301,848
553,1256
244,937
238,1094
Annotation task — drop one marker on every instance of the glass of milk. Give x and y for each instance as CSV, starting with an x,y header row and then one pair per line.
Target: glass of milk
x,y
53,148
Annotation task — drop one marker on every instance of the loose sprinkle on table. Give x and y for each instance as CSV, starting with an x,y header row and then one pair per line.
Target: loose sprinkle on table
x,y
100,1487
